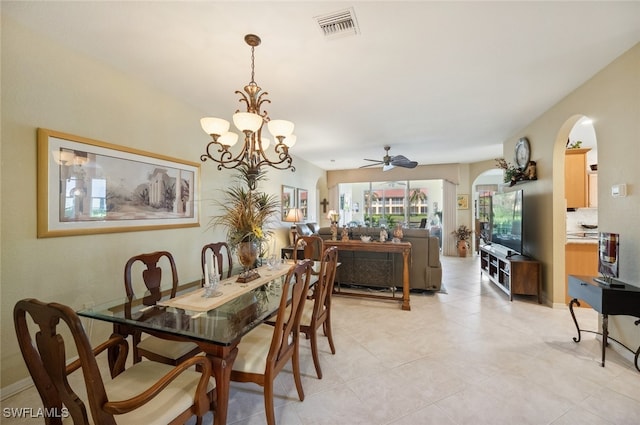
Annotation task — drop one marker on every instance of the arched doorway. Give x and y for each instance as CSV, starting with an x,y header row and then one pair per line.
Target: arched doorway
x,y
576,128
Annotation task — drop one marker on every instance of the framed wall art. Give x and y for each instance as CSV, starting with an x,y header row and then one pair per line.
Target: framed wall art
x,y
287,200
303,203
87,187
463,202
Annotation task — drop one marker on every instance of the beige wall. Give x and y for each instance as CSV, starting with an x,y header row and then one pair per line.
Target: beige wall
x,y
612,99
45,85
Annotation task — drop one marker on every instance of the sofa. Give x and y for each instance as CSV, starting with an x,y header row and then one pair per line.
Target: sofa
x,y
377,269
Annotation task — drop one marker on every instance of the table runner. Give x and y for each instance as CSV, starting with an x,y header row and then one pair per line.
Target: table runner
x,y
194,301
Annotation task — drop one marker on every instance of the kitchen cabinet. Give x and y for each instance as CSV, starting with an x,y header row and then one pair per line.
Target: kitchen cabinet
x,y
576,185
593,190
581,259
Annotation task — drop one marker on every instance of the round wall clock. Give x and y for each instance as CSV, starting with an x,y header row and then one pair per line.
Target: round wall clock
x,y
523,153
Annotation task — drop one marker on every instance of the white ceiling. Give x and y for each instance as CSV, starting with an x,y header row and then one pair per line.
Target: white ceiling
x,y
441,82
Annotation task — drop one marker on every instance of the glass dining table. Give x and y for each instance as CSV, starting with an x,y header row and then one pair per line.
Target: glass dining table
x,y
216,324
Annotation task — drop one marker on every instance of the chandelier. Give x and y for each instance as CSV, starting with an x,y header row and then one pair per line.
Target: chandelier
x,y
253,153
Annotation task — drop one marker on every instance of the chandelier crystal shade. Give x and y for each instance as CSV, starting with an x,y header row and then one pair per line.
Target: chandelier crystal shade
x,y
253,153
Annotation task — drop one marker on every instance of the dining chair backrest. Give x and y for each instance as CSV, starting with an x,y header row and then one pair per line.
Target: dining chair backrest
x,y
323,288
47,363
312,247
318,315
153,348
287,326
152,274
220,250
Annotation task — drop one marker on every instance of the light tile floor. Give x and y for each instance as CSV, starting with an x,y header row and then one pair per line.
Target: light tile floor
x,y
467,356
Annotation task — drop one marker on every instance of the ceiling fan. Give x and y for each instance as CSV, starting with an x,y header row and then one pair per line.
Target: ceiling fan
x,y
388,162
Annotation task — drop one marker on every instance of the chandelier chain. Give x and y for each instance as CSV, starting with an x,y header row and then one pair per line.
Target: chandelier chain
x,y
253,65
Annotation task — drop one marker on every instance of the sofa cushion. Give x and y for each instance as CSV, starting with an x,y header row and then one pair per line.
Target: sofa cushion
x,y
306,229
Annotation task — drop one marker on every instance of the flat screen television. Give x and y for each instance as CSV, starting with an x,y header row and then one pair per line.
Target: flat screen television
x,y
506,220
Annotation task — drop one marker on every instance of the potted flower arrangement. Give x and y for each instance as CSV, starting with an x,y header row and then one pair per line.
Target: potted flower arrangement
x,y
245,214
462,234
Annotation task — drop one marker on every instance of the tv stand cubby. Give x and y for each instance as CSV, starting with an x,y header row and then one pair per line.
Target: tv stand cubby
x,y
513,274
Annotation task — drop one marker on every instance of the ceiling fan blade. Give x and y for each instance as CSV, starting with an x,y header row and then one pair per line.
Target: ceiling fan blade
x,y
373,160
371,165
403,161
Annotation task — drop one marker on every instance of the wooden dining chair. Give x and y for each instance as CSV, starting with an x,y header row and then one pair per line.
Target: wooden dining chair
x,y
266,349
220,250
145,393
312,247
152,347
318,313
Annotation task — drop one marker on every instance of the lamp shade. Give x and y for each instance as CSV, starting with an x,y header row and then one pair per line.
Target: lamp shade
x,y
247,121
280,128
290,140
294,215
228,139
215,126
331,214
264,142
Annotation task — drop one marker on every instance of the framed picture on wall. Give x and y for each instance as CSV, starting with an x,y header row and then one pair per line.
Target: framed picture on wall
x,y
303,203
287,200
86,187
463,202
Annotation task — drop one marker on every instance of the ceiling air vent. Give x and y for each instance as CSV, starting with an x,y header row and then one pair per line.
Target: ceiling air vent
x,y
338,24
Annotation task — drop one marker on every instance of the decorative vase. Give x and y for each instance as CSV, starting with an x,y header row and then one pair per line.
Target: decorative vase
x,y
247,255
462,248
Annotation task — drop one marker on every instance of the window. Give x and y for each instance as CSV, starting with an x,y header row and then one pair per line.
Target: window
x,y
392,202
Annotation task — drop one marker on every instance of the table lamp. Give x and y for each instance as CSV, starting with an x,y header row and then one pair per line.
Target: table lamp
x,y
294,216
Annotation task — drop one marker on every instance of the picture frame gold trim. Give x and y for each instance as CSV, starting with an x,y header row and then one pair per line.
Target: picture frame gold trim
x,y
86,186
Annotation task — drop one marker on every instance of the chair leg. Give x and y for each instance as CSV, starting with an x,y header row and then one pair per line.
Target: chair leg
x,y
327,331
268,402
296,371
135,340
314,353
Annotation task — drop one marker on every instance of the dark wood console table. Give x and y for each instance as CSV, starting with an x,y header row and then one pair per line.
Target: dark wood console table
x,y
606,300
403,248
513,274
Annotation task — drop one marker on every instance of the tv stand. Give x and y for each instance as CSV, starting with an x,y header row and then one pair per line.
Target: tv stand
x,y
510,272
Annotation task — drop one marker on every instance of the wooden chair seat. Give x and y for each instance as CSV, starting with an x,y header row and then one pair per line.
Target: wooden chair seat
x,y
173,350
177,397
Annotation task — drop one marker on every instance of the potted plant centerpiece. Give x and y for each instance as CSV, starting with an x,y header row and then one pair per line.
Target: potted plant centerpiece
x,y
245,215
462,234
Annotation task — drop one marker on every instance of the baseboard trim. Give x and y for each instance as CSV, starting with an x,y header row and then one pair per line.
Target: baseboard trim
x,y
15,388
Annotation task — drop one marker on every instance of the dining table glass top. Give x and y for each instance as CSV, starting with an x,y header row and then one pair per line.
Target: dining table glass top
x,y
241,307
